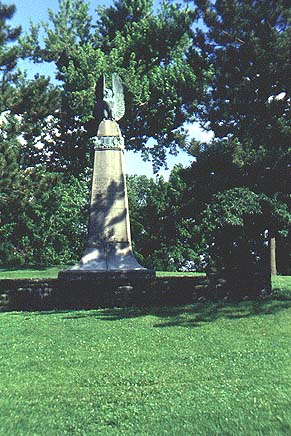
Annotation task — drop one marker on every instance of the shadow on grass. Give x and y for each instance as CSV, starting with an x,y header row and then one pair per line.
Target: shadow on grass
x,y
23,268
194,315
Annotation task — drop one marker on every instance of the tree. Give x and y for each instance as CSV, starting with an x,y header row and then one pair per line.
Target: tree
x,y
248,104
9,53
34,101
43,216
163,238
248,44
35,107
41,213
234,225
164,75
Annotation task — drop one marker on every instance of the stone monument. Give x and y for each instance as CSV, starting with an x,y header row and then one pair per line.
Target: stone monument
x,y
108,252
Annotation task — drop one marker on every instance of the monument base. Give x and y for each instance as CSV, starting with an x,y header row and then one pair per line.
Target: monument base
x,y
109,261
98,275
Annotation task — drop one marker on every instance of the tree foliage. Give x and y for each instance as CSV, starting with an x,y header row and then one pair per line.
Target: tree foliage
x,y
8,53
163,238
43,217
237,188
34,101
153,52
248,45
235,223
41,212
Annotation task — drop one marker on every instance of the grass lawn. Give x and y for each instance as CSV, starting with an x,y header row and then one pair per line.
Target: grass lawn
x,y
52,272
204,369
31,273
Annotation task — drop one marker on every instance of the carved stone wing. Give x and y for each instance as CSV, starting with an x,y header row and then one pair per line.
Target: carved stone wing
x,y
118,109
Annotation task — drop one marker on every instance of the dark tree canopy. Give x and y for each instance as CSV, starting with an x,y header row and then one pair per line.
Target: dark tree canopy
x,y
248,44
244,173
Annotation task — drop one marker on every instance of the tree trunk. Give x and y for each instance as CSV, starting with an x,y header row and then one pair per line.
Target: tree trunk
x,y
273,265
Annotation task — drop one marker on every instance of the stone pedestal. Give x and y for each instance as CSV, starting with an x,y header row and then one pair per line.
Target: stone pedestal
x,y
108,252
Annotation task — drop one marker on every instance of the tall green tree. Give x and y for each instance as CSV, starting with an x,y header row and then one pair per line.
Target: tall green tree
x,y
153,52
248,44
9,53
41,213
35,101
248,104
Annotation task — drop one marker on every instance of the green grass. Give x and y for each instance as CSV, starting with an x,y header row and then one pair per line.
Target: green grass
x,y
205,369
282,282
52,272
30,273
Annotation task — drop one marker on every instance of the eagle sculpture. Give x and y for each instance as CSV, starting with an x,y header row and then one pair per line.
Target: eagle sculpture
x,y
109,101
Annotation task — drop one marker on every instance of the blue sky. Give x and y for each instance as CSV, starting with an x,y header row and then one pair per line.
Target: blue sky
x,y
36,11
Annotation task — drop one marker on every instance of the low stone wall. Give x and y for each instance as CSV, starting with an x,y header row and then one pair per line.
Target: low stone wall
x,y
50,294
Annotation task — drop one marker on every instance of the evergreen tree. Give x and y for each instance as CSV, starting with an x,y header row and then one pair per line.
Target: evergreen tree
x,y
35,107
35,101
39,222
9,53
162,72
248,44
248,104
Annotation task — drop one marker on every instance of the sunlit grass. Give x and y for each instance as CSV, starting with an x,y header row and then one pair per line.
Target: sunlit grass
x,y
31,273
282,282
204,369
52,272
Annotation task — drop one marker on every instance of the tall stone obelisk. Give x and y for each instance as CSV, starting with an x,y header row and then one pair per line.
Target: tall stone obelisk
x,y
109,250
